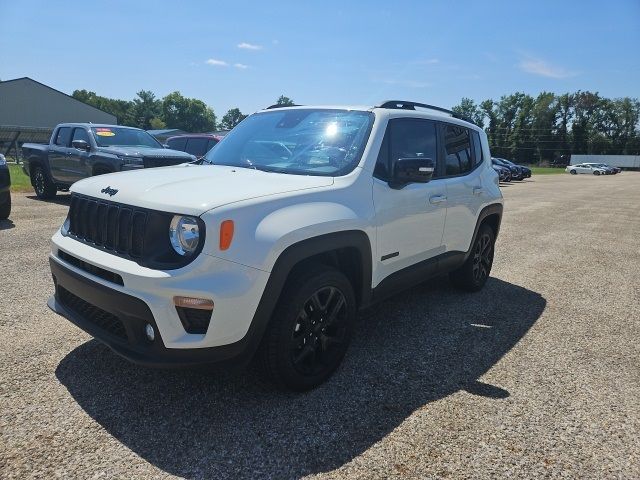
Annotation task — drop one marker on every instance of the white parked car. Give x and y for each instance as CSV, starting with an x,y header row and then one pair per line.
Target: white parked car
x,y
299,218
586,168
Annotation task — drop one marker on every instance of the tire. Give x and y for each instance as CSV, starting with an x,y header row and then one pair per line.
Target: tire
x,y
596,172
5,205
573,172
473,274
42,184
304,342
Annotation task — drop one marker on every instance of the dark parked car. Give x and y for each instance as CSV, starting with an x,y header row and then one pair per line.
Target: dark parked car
x,y
196,144
503,173
81,150
5,185
516,172
525,172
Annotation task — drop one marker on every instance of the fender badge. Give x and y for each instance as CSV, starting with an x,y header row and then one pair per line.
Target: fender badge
x,y
109,191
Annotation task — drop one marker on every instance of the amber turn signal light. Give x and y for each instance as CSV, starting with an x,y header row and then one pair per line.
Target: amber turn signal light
x,y
226,234
190,302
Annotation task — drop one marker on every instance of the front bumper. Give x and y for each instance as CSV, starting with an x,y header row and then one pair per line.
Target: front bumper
x,y
139,295
119,320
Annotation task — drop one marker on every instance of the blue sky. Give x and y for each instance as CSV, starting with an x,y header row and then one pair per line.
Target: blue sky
x,y
247,53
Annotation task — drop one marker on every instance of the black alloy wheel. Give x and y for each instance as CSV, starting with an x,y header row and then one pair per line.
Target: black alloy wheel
x,y
482,257
310,329
474,272
44,188
319,331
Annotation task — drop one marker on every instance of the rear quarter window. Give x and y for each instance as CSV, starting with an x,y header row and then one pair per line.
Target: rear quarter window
x,y
177,143
62,137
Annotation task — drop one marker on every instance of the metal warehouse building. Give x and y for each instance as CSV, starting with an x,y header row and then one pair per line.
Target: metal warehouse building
x,y
29,111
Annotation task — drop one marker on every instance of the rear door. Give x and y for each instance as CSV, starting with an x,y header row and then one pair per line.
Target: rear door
x,y
178,143
462,176
58,151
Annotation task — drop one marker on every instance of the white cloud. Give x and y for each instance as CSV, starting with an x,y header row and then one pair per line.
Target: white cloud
x,y
537,66
249,46
216,63
241,66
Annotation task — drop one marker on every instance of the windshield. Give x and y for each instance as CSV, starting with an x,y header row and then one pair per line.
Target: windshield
x,y
123,137
301,141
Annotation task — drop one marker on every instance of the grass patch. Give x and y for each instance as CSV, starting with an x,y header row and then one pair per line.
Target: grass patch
x,y
19,181
546,170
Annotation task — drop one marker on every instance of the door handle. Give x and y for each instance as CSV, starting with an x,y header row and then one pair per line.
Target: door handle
x,y
478,190
437,199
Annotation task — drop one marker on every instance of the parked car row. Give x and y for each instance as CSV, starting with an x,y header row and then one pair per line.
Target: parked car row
x,y
508,170
593,169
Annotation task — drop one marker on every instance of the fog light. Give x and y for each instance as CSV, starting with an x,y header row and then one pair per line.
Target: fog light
x,y
149,332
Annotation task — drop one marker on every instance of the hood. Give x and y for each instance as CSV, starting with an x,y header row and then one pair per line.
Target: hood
x,y
192,189
147,152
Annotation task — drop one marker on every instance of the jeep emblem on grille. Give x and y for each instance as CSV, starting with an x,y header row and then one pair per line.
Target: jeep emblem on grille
x,y
109,191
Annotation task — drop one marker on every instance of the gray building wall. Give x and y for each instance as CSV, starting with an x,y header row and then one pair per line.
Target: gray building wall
x,y
27,103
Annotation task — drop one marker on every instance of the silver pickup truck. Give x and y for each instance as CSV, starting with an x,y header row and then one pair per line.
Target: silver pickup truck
x,y
81,150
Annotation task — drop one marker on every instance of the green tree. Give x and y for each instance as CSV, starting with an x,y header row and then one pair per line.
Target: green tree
x,y
145,108
188,114
232,118
120,108
284,101
157,124
468,109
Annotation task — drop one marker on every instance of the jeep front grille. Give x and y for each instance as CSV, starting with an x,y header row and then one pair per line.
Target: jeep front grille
x,y
108,225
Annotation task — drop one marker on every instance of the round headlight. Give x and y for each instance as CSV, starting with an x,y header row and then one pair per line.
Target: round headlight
x,y
184,234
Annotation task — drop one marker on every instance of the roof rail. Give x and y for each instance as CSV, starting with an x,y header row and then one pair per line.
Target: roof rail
x,y
277,105
406,105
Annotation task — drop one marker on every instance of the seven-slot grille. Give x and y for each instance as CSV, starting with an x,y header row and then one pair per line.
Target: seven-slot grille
x,y
108,225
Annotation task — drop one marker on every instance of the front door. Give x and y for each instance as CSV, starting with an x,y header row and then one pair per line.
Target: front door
x,y
410,220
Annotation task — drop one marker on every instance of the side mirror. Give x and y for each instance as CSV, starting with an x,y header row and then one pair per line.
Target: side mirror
x,y
164,145
81,145
412,170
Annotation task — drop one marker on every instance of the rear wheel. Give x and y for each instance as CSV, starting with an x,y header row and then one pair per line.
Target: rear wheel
x,y
473,274
42,184
596,172
310,330
5,205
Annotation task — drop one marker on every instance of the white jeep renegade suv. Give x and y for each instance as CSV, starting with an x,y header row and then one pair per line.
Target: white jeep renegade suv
x,y
299,218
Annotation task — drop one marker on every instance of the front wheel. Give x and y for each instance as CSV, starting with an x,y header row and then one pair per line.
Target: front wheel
x,y
310,330
473,274
596,172
44,187
573,172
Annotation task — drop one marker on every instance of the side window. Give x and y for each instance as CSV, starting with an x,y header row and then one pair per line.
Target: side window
x,y
177,143
211,143
458,149
406,138
62,138
80,134
478,156
197,146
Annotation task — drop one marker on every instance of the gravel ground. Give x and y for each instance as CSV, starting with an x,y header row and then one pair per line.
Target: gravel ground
x,y
537,375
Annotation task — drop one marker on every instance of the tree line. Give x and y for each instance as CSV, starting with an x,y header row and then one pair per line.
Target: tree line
x,y
527,129
173,111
